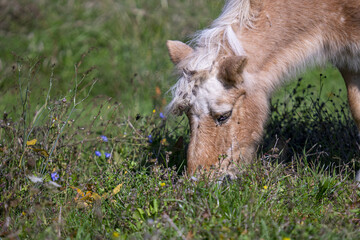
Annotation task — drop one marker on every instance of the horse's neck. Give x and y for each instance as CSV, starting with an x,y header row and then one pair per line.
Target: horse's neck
x,y
272,62
287,38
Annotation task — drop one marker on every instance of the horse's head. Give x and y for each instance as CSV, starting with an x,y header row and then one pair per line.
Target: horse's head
x,y
223,128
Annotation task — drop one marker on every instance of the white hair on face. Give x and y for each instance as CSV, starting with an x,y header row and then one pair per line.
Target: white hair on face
x,y
208,44
182,96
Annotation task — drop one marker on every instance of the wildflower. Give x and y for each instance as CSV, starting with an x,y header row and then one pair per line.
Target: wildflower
x,y
31,142
150,140
107,155
97,153
286,238
162,184
265,187
162,116
163,141
116,234
154,111
194,179
54,176
104,138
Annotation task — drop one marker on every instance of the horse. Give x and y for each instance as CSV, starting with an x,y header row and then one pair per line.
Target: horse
x,y
228,71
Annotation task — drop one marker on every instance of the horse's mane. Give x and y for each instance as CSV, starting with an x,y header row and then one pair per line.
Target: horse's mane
x,y
220,31
208,44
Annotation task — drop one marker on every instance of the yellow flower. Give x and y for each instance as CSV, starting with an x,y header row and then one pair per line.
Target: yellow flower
x,y
162,184
265,187
116,190
163,141
116,234
286,238
31,142
154,111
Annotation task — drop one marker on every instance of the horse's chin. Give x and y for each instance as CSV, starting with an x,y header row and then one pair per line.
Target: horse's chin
x,y
232,163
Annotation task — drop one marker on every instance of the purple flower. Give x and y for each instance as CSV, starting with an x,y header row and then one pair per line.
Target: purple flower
x,y
150,140
54,176
162,116
107,155
97,153
104,138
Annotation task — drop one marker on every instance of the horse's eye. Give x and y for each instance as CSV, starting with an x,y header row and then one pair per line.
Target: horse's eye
x,y
223,118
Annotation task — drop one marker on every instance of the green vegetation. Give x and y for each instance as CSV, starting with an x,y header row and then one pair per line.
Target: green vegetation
x,y
85,154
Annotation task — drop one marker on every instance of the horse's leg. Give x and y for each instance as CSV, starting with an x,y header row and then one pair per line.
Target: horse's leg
x,y
352,81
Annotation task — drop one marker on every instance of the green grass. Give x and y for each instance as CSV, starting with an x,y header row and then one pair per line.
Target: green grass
x,y
127,37
74,71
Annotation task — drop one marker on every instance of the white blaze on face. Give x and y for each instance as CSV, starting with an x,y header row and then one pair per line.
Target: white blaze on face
x,y
208,99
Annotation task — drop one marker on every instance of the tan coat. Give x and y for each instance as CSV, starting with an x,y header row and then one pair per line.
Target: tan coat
x,y
228,76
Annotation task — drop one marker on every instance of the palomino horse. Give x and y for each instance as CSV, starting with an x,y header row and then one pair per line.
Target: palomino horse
x,y
228,76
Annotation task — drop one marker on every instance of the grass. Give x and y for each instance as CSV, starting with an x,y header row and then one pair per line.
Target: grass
x,y
54,185
127,37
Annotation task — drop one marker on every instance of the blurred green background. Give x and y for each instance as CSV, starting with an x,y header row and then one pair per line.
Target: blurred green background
x,y
125,41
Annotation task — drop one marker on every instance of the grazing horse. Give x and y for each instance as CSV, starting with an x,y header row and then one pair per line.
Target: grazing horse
x,y
230,70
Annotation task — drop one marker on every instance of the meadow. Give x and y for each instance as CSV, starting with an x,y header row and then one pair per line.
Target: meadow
x,y
87,153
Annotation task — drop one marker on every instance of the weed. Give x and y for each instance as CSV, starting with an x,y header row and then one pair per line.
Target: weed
x,y
79,169
81,160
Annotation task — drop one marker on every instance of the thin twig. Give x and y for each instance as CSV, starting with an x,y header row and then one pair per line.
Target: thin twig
x,y
136,131
59,223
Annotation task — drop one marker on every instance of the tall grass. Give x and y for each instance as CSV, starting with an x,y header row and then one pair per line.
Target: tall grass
x,y
127,37
323,127
93,172
86,154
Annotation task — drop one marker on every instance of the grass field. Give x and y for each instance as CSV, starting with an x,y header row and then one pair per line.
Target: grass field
x,y
85,153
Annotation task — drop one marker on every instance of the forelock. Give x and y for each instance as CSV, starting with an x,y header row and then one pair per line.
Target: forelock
x,y
185,91
208,44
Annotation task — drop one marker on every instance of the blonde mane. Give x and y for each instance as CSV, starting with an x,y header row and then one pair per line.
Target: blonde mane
x,y
207,44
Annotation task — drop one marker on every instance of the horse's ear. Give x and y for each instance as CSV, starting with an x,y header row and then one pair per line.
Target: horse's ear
x,y
231,69
178,51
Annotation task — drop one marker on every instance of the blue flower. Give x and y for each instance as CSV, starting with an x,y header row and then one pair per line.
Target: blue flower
x,y
104,138
162,116
97,153
107,155
150,140
54,176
